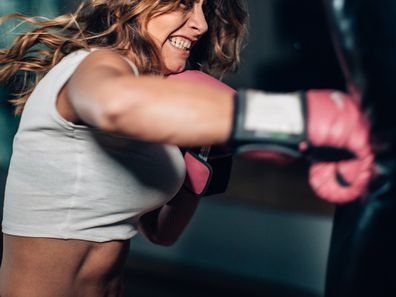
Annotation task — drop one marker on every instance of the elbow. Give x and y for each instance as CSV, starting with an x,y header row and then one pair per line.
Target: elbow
x,y
165,243
146,228
162,240
116,107
109,116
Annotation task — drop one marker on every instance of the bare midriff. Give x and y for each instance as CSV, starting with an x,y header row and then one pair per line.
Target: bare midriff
x,y
43,267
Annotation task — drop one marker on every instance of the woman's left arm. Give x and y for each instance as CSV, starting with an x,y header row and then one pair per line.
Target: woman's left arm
x,y
164,225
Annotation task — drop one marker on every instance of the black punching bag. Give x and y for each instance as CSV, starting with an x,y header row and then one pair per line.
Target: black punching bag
x,y
362,258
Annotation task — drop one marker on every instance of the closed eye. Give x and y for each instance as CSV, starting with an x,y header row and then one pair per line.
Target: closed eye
x,y
186,5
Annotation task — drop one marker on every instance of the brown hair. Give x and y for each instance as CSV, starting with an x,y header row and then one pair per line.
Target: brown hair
x,y
118,25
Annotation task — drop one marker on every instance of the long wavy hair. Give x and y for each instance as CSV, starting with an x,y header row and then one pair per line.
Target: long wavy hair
x,y
119,25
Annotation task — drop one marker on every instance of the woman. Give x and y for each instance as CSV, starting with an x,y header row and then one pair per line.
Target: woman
x,y
82,180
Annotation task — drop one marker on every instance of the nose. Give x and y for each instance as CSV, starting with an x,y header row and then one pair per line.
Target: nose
x,y
197,20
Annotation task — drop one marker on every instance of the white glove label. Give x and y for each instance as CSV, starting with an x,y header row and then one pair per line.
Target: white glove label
x,y
273,113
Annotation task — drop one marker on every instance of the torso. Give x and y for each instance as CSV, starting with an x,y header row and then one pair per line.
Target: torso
x,y
82,268
39,267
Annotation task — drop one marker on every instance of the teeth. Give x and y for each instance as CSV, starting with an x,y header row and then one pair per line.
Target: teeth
x,y
180,42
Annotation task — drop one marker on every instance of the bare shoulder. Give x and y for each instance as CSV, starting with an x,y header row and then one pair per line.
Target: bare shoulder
x,y
94,71
105,59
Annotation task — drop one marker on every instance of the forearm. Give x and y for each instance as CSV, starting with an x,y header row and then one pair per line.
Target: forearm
x,y
165,225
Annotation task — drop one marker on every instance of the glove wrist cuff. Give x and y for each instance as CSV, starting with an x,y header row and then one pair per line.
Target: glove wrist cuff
x,y
263,117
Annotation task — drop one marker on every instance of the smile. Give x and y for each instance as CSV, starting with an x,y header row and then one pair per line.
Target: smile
x,y
180,43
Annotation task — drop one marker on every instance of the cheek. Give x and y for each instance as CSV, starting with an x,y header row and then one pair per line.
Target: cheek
x,y
155,32
160,40
162,26
167,54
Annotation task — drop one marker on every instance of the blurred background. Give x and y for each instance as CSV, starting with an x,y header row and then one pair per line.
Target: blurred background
x,y
268,235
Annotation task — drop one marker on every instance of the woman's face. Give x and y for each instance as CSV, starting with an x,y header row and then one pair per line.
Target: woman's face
x,y
176,32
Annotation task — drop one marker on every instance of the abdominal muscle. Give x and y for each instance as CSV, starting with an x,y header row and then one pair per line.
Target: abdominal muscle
x,y
42,267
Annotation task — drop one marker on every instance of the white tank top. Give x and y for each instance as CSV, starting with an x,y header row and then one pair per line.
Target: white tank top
x,y
76,182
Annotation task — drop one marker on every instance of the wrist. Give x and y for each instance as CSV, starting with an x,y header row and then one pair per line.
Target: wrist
x,y
183,197
261,117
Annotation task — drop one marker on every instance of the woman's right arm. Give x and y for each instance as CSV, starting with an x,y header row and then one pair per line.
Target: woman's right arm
x,y
164,225
104,92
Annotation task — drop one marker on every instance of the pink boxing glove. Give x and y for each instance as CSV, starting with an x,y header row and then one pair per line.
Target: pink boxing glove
x,y
207,169
207,172
339,123
325,126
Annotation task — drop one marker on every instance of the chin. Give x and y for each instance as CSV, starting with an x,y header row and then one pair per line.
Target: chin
x,y
177,68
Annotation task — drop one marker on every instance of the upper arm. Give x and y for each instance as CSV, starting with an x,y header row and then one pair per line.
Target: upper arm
x,y
91,85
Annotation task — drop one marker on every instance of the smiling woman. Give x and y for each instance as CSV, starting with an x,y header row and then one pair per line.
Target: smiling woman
x,y
83,179
176,33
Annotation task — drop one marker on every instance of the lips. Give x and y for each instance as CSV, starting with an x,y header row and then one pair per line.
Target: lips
x,y
180,42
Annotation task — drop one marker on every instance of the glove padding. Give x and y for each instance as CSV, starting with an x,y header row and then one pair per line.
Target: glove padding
x,y
208,168
323,125
339,123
